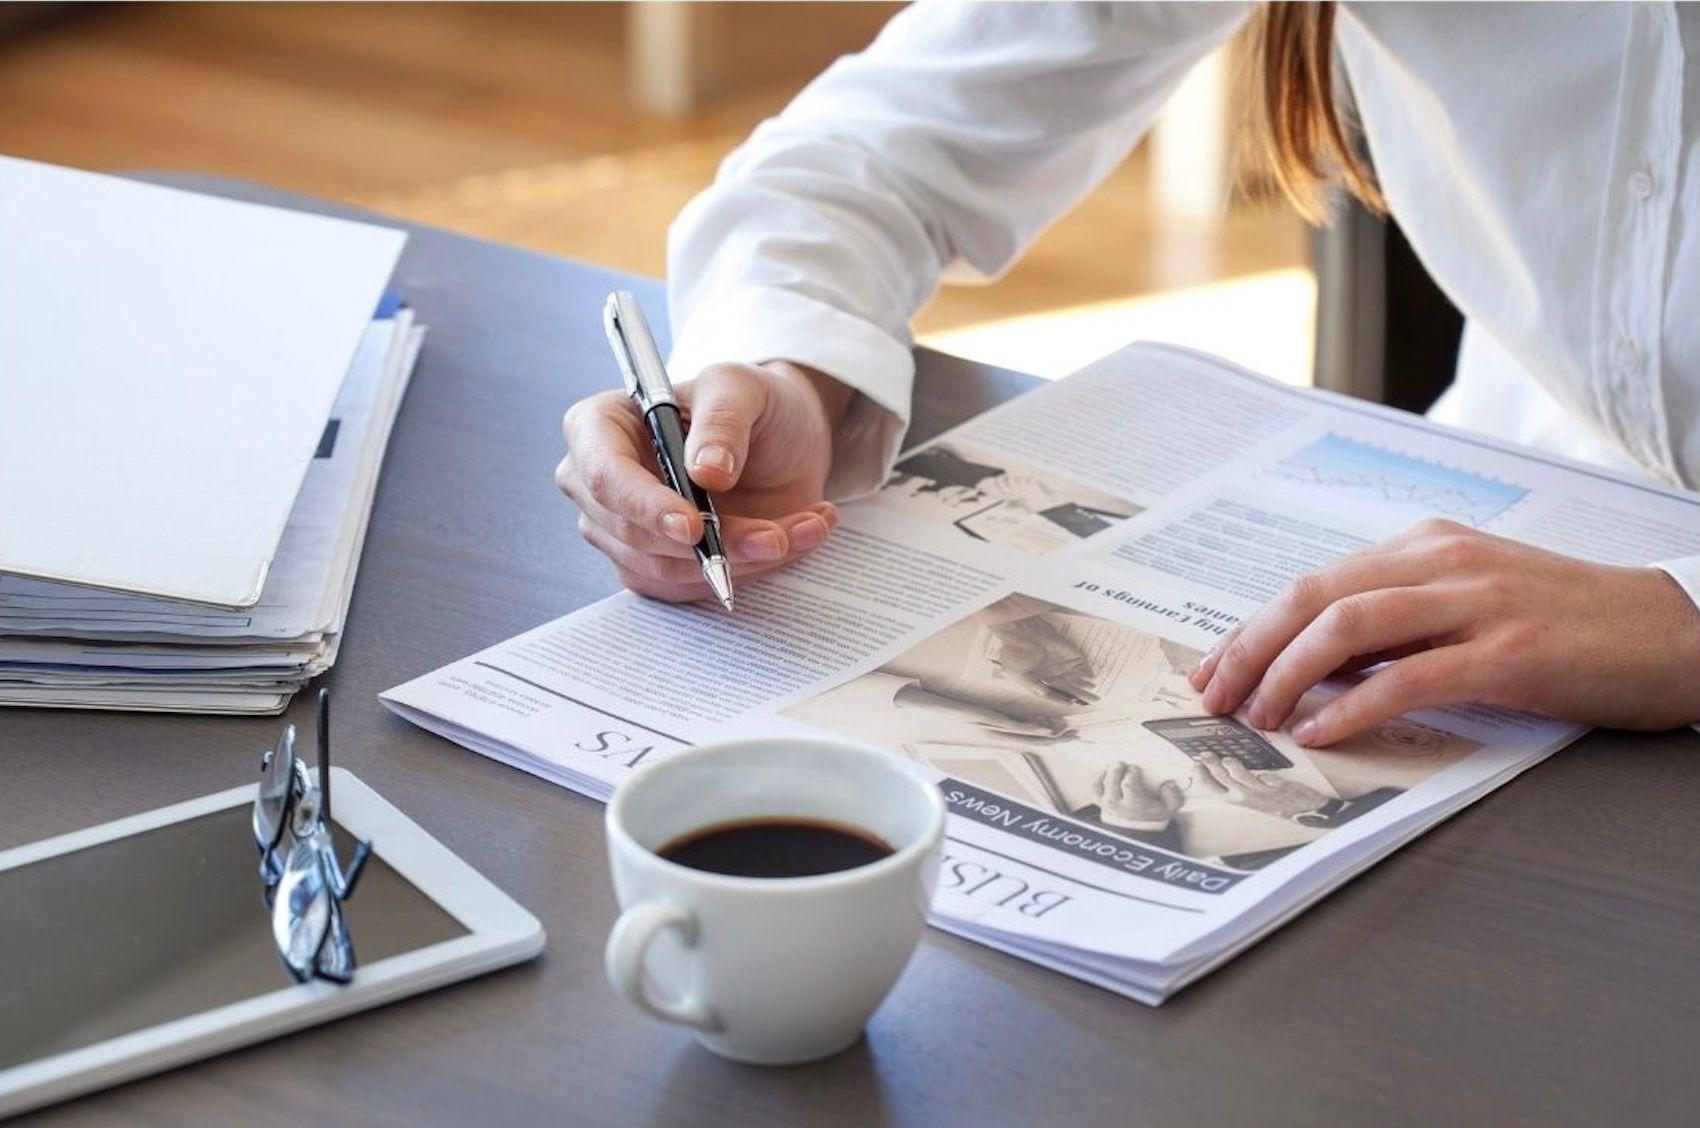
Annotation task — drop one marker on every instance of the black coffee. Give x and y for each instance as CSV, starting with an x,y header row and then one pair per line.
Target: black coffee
x,y
775,848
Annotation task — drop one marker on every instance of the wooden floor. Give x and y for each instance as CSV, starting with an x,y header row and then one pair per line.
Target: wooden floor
x,y
511,121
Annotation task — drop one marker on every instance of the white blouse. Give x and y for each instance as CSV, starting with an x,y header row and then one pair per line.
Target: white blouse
x,y
1542,160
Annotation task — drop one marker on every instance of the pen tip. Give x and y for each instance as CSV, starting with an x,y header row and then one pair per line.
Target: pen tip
x,y
719,576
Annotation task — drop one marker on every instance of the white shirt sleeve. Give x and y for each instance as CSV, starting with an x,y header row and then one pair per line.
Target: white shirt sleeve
x,y
941,150
1686,573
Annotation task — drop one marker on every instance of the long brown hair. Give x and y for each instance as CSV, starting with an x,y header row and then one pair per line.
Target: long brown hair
x,y
1298,134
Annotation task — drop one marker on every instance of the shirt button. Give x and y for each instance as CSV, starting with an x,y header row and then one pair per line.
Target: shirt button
x,y
1626,357
1641,184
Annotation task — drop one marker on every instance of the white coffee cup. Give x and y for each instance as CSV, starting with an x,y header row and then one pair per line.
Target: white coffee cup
x,y
770,971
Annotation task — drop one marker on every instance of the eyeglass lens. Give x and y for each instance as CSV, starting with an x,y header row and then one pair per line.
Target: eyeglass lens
x,y
301,914
277,776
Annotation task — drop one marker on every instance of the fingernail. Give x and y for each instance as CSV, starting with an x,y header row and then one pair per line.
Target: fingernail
x,y
1215,697
1253,713
1304,731
765,545
1205,665
716,457
676,526
808,534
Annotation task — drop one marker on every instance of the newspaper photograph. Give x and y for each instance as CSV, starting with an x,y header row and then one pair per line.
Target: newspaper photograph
x,y
997,499
1094,721
1102,822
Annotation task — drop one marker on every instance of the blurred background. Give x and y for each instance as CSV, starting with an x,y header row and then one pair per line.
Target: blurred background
x,y
580,129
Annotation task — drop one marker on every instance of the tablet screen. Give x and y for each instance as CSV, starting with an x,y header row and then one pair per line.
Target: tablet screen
x,y
164,924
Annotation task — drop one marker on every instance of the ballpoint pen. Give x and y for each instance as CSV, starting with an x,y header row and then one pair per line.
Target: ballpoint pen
x,y
646,382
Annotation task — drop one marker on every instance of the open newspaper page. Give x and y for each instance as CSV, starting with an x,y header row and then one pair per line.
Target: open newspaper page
x,y
1017,610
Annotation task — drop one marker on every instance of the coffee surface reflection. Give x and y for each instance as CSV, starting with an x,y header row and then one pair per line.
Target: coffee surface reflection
x,y
776,848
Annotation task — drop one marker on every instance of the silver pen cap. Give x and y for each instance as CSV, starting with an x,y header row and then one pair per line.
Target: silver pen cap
x,y
641,366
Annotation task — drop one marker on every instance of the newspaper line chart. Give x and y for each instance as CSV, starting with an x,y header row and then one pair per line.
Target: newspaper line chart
x,y
1403,488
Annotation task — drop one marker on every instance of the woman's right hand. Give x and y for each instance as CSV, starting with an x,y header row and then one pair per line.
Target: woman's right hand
x,y
759,439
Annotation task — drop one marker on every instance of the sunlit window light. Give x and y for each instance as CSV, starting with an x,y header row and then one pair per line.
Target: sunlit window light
x,y
1263,321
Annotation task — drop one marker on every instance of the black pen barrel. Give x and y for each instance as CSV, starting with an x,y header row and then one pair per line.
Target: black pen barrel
x,y
667,434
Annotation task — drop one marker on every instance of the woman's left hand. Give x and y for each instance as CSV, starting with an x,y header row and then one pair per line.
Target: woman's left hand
x,y
1461,615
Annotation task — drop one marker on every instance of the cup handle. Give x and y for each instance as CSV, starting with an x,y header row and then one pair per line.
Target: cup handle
x,y
627,946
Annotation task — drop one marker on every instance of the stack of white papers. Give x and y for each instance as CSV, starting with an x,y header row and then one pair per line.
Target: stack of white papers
x,y
79,647
195,396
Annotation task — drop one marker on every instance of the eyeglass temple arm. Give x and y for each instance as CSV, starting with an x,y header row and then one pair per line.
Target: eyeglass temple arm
x,y
324,727
342,881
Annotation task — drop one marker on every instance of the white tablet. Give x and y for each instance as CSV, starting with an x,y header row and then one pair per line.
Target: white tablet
x,y
142,944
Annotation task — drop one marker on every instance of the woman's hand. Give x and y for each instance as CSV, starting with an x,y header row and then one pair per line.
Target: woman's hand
x,y
759,439
1460,615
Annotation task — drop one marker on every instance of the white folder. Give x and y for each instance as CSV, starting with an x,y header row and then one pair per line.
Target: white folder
x,y
168,361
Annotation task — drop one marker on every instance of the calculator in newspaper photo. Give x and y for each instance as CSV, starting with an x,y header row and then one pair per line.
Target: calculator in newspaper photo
x,y
1222,735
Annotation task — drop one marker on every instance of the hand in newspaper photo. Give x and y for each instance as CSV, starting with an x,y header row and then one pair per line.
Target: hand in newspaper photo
x,y
1128,800
1269,792
1040,655
996,716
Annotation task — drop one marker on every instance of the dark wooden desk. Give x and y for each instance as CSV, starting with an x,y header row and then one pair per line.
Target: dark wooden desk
x,y
1535,960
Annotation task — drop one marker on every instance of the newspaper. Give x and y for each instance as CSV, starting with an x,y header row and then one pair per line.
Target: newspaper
x,y
1017,610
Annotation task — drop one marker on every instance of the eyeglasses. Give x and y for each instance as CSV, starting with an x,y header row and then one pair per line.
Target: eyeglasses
x,y
305,884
